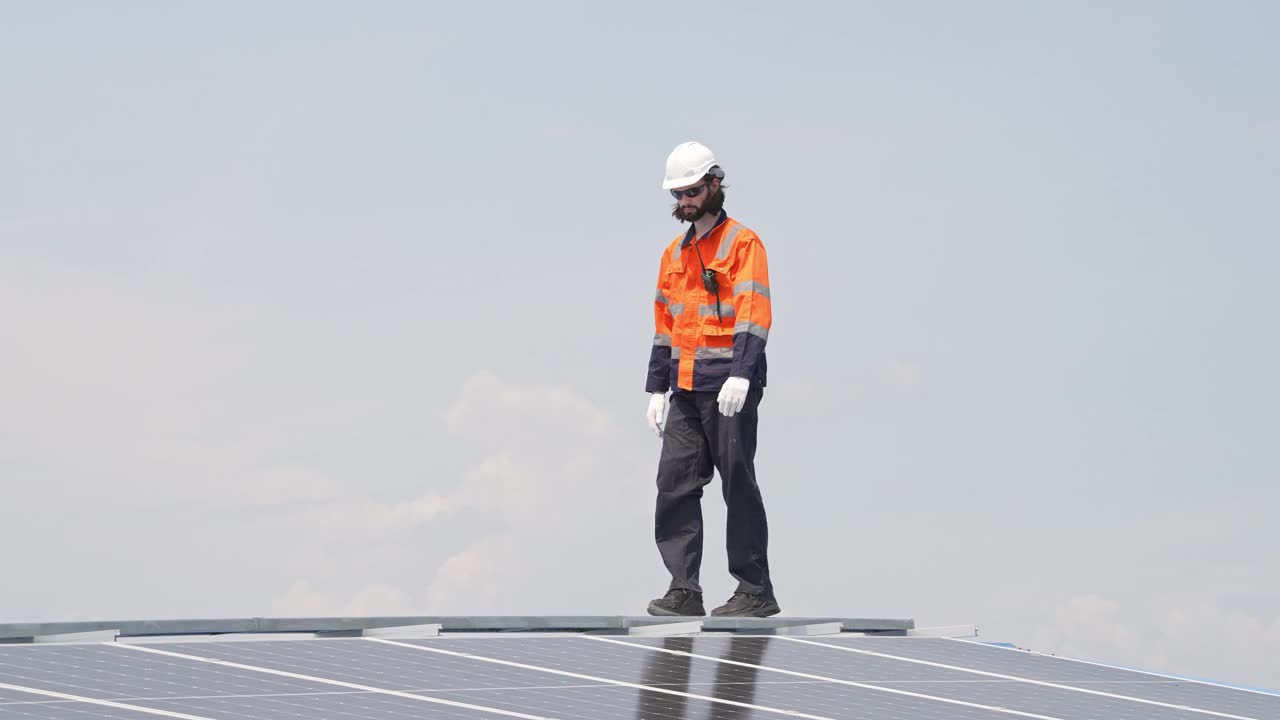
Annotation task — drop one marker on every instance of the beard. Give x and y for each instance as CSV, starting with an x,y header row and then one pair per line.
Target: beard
x,y
692,213
687,213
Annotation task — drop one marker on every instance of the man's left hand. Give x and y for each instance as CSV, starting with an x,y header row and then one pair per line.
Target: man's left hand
x,y
733,395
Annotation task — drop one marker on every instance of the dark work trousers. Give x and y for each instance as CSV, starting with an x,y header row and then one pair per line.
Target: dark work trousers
x,y
697,438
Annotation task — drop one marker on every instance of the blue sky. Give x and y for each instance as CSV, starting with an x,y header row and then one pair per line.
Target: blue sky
x,y
326,307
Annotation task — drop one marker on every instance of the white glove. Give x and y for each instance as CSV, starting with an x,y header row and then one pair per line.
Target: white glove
x,y
657,413
733,395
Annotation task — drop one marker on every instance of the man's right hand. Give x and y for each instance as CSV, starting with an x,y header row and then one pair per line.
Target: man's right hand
x,y
657,412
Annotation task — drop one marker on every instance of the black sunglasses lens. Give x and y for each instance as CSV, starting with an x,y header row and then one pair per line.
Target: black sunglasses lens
x,y
691,192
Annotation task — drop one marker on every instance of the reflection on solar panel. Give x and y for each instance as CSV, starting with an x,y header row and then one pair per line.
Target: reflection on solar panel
x,y
721,675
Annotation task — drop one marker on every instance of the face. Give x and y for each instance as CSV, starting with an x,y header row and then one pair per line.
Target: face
x,y
691,200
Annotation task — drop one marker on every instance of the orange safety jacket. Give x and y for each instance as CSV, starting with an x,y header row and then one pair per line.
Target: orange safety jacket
x,y
694,348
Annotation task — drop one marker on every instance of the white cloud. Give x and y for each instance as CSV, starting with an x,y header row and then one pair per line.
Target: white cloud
x,y
208,413
303,600
548,487
556,474
484,578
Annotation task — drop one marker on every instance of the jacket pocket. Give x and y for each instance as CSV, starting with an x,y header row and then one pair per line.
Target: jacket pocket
x,y
712,328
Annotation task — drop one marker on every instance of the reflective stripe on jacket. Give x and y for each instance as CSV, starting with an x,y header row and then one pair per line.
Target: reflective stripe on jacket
x,y
693,347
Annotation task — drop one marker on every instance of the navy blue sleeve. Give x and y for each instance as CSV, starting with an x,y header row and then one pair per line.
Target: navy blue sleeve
x,y
659,369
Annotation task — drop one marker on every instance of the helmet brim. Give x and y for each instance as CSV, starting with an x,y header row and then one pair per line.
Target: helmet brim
x,y
673,183
684,182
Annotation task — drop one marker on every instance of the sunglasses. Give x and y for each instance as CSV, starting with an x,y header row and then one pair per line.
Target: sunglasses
x,y
692,192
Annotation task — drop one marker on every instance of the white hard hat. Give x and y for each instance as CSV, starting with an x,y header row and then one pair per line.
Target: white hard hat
x,y
687,164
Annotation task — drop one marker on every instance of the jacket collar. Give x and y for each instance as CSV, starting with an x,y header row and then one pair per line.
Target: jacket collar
x,y
688,236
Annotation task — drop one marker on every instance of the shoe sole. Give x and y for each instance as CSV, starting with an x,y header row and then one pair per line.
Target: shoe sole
x,y
766,611
663,612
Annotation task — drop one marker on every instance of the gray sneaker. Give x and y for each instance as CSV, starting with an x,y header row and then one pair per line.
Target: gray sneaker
x,y
746,605
678,602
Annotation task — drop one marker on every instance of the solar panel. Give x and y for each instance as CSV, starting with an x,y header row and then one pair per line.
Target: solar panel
x,y
1072,673
940,682
362,661
640,666
106,672
451,676
159,681
722,677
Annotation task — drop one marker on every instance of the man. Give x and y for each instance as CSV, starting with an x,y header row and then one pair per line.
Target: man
x,y
712,317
